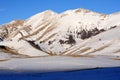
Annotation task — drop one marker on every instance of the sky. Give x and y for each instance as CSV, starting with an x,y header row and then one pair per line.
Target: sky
x,y
23,9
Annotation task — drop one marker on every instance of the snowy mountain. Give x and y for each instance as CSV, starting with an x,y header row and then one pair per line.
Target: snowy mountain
x,y
73,32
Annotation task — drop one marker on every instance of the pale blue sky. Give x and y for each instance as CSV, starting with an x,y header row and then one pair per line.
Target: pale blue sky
x,y
23,9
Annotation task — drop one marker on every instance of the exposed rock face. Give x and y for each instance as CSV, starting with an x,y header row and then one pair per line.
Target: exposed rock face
x,y
9,28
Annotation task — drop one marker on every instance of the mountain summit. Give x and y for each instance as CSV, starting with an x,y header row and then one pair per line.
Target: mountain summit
x,y
73,32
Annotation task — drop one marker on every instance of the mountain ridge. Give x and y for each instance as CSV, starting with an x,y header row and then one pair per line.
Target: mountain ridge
x,y
50,33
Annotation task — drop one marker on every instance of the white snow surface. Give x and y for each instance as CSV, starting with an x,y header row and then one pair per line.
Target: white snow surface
x,y
24,48
58,63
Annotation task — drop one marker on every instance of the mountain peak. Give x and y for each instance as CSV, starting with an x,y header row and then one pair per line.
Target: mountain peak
x,y
17,21
82,10
49,11
44,13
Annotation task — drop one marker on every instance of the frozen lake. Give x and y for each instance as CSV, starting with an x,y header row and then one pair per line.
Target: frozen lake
x,y
58,63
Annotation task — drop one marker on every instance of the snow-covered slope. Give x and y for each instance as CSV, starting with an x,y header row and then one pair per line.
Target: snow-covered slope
x,y
70,33
106,43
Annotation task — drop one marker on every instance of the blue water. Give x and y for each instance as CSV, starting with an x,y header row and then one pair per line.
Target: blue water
x,y
91,74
